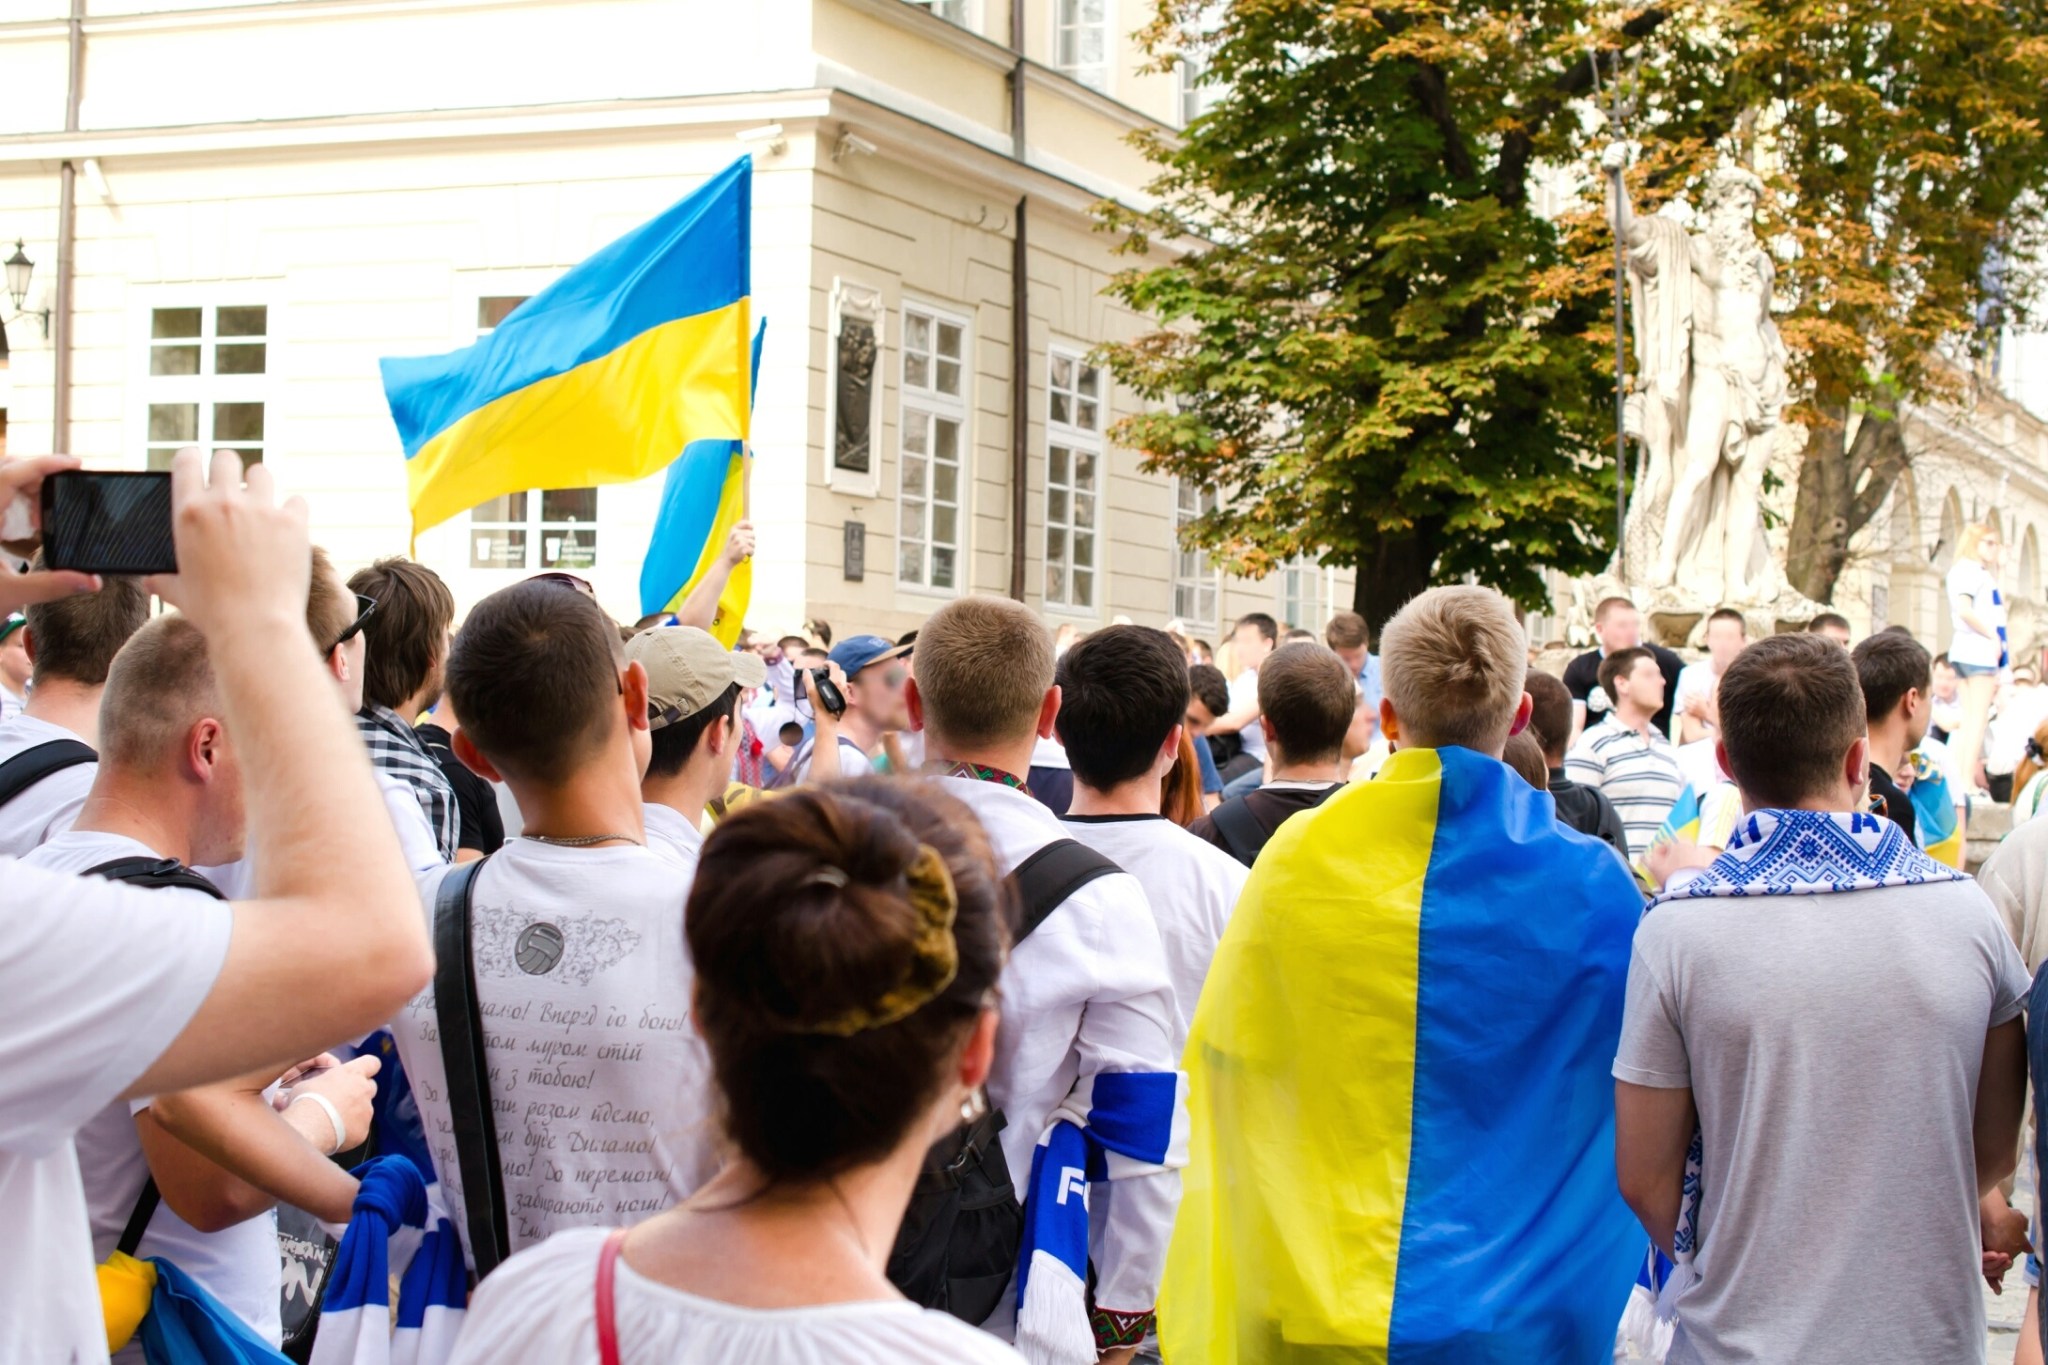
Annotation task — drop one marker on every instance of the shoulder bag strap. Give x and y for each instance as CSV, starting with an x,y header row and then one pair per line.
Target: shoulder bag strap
x,y
1048,877
155,874
138,1219
607,1311
1240,829
33,764
469,1079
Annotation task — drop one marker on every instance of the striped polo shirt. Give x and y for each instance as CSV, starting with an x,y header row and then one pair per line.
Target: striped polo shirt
x,y
1636,770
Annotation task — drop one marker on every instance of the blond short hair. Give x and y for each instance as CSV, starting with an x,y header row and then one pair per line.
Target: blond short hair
x,y
161,684
1452,663
984,665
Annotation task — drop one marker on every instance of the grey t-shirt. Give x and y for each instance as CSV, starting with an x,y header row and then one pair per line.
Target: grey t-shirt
x,y
1833,1045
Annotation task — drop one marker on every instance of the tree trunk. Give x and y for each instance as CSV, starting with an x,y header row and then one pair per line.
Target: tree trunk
x,y
1818,545
1841,487
1391,571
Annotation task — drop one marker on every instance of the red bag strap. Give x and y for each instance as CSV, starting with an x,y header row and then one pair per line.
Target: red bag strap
x,y
607,1318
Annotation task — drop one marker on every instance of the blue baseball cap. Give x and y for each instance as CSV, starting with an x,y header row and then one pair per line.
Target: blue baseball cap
x,y
857,652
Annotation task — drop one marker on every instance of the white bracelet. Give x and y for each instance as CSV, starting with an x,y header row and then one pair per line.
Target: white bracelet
x,y
333,1117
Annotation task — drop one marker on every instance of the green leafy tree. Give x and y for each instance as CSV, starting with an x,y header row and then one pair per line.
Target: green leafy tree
x,y
1903,154
1373,344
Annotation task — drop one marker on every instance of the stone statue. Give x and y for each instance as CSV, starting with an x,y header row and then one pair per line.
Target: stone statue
x,y
1709,388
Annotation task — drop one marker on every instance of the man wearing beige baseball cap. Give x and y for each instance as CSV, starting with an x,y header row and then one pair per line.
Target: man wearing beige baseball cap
x,y
694,685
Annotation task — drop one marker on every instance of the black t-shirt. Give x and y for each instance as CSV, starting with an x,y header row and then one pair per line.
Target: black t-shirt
x,y
1268,807
1889,801
476,803
1587,810
1582,678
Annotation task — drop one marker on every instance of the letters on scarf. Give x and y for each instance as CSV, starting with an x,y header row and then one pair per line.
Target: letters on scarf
x,y
1771,853
1115,1126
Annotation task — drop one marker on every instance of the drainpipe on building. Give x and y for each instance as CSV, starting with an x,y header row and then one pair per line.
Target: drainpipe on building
x,y
1020,322
67,236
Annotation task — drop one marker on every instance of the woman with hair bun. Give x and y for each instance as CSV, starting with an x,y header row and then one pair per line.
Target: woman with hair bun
x,y
847,941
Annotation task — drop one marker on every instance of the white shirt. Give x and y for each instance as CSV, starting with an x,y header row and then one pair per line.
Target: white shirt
x,y
675,836
10,703
601,1086
416,841
1635,769
540,1308
2026,707
1191,884
1694,680
237,1265
50,805
1698,765
1089,992
1971,589
97,979
853,761
1244,692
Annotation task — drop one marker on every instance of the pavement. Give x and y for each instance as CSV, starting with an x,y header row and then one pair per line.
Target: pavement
x,y
2004,1312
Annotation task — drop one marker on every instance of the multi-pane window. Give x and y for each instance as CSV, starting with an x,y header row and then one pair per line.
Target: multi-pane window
x,y
934,439
953,11
207,368
1301,594
1073,462
1199,91
1194,577
542,528
1081,40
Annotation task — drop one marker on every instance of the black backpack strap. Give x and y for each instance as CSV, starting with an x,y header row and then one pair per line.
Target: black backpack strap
x,y
1046,878
461,1025
138,1219
156,874
37,762
1239,829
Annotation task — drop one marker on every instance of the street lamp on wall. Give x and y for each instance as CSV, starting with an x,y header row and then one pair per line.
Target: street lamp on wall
x,y
19,269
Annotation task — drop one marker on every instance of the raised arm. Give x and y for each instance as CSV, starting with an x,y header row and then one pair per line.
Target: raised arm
x,y
1620,213
700,608
335,942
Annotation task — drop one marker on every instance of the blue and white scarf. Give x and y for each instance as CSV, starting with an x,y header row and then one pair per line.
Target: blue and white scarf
x,y
1771,853
390,1231
1114,1126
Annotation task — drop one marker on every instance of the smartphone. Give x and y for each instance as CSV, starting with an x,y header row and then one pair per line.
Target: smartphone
x,y
112,523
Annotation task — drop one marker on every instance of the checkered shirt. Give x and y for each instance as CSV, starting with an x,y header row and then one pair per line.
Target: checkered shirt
x,y
395,748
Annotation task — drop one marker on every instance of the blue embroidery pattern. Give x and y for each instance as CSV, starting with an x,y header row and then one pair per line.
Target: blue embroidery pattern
x,y
1805,853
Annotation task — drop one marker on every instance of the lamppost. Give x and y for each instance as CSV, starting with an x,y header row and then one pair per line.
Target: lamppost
x,y
19,269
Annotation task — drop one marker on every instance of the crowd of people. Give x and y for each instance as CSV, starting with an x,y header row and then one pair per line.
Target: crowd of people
x,y
1103,996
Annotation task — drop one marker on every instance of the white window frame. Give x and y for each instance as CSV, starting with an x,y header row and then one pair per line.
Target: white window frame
x,y
960,13
1205,584
1075,436
1290,579
925,405
1064,23
206,391
851,299
1197,98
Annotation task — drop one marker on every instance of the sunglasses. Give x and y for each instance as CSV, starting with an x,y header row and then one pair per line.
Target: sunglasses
x,y
366,607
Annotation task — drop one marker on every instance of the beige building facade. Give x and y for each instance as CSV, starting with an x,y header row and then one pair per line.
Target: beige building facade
x,y
271,196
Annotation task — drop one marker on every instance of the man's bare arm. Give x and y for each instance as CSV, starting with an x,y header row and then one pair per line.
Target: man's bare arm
x,y
1652,1130
335,942
2001,1104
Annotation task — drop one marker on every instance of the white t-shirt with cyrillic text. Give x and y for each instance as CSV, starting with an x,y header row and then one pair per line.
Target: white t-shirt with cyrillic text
x,y
98,979
600,1084
238,1265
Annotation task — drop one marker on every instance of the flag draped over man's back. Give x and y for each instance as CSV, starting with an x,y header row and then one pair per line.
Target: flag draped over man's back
x,y
1403,1120
602,377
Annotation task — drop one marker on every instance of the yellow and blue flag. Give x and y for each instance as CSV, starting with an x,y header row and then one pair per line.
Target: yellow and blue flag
x,y
602,377
1707,821
1936,827
702,499
1403,1119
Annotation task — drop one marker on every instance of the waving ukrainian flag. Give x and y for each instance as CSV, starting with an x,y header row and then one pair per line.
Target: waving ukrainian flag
x,y
1936,825
1399,1079
702,499
602,377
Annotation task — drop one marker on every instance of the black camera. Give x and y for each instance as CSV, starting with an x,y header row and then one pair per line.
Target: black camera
x,y
829,695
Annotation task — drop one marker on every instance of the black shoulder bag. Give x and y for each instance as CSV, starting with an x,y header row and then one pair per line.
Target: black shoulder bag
x,y
39,761
958,1244
469,1079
